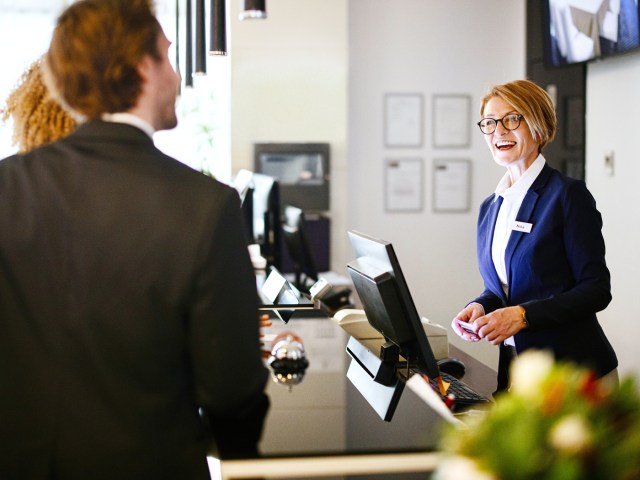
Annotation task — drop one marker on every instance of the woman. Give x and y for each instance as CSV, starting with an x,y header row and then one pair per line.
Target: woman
x,y
539,244
37,118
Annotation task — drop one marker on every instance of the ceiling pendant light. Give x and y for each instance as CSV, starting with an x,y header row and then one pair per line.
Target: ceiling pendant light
x,y
254,9
218,28
201,56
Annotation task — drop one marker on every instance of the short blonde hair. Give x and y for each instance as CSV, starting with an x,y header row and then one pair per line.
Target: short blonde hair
x,y
533,103
37,117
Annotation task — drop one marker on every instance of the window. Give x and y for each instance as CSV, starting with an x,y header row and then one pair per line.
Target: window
x,y
202,138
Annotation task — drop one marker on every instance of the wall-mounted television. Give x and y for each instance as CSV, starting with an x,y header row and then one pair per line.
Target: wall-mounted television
x,y
579,31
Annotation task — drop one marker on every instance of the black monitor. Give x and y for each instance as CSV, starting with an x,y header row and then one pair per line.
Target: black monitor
x,y
294,231
243,183
302,170
266,217
387,302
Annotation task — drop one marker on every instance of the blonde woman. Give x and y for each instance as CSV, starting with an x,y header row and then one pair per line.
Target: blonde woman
x,y
540,247
37,118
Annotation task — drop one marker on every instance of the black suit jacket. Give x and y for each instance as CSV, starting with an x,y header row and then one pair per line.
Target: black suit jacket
x,y
127,313
556,271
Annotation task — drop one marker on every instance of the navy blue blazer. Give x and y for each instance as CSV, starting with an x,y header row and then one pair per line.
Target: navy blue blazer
x,y
557,271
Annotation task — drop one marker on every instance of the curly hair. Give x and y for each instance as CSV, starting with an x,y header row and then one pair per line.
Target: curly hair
x,y
37,117
97,45
533,102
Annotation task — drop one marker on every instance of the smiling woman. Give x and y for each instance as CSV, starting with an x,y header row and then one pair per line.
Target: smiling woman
x,y
539,243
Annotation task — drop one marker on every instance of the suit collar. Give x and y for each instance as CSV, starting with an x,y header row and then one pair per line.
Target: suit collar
x,y
101,131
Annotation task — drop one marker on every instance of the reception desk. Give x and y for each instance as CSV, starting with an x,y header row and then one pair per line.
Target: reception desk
x,y
324,428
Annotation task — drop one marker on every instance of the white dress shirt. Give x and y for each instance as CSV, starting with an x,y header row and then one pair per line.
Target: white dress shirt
x,y
131,119
513,195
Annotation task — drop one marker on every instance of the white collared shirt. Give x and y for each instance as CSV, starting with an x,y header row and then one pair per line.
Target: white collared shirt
x,y
513,195
130,119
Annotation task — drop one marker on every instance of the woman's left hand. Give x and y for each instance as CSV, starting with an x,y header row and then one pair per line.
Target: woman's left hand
x,y
500,324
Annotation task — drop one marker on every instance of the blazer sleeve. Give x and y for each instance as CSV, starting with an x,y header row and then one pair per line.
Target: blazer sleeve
x,y
489,301
585,252
229,374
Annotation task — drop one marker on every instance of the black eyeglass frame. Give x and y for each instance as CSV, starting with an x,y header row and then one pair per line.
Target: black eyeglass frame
x,y
519,115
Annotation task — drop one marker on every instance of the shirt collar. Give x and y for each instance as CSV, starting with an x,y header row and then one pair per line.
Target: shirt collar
x,y
522,185
130,119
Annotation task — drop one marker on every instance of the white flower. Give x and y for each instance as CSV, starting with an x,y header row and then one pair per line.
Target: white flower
x,y
528,371
457,467
571,434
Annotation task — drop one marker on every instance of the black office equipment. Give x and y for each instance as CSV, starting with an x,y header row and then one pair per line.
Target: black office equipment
x,y
390,309
260,197
294,231
302,171
279,295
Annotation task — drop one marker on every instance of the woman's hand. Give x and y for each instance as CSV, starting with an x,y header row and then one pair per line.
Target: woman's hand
x,y
469,314
500,324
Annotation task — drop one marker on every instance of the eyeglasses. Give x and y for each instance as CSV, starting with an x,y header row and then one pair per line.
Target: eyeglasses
x,y
510,122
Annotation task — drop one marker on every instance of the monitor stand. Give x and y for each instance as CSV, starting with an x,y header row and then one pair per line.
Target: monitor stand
x,y
375,378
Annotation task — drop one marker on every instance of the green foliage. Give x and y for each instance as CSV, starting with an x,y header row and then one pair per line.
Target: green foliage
x,y
557,422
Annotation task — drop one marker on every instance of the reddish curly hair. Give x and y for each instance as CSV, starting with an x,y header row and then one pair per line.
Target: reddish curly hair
x,y
37,117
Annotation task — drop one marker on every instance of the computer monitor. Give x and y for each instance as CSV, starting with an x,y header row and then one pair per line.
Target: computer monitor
x,y
260,197
302,170
387,302
294,231
243,183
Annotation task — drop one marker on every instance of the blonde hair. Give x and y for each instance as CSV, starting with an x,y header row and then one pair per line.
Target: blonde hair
x,y
533,103
37,117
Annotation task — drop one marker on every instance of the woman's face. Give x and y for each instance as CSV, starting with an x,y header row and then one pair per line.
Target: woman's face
x,y
510,148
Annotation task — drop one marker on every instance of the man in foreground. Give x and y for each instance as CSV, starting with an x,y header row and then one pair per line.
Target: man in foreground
x,y
129,334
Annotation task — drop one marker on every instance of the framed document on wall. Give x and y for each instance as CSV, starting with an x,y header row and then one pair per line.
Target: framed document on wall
x,y
403,120
403,185
451,189
451,121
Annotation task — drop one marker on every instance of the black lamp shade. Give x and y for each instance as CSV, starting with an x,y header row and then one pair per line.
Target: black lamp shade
x,y
188,47
201,56
218,27
254,9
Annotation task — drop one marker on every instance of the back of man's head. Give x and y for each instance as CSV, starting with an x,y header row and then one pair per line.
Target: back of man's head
x,y
95,51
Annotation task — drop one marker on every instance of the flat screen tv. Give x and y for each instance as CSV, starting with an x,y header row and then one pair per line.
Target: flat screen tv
x,y
579,31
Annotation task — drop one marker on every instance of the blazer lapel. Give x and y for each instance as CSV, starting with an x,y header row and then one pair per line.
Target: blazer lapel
x,y
489,228
524,215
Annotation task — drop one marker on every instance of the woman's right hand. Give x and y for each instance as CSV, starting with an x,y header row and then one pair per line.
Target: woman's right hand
x,y
468,315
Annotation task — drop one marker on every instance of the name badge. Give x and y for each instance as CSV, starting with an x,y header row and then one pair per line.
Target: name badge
x,y
522,227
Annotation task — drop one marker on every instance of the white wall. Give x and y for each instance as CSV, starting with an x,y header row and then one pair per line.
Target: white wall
x,y
613,122
289,84
317,70
430,48
315,65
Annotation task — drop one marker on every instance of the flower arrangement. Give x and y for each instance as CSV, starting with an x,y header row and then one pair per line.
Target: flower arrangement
x,y
557,422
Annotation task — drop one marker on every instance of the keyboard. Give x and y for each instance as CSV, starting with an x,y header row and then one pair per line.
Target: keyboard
x,y
464,396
